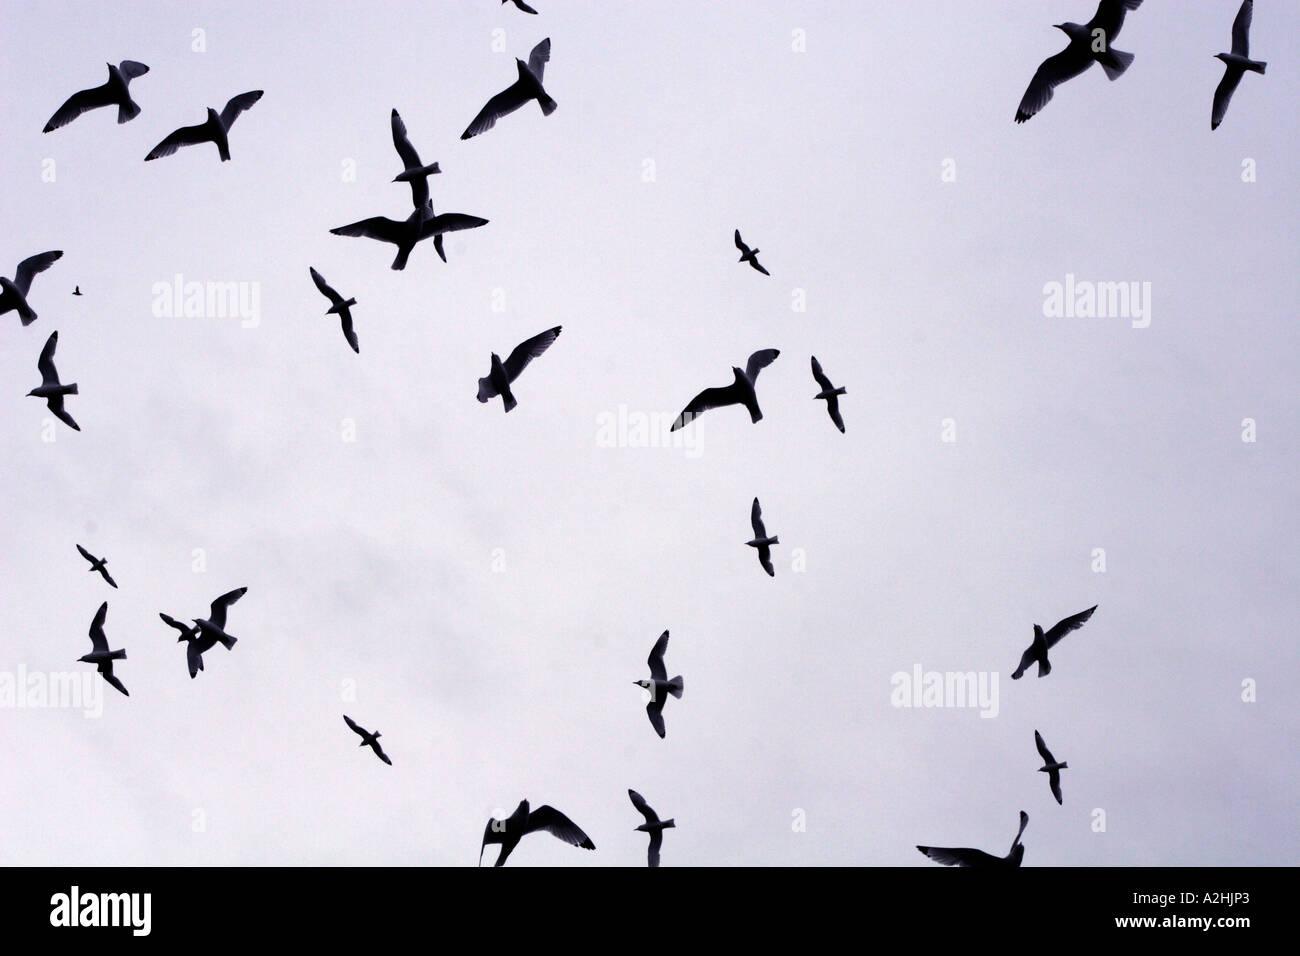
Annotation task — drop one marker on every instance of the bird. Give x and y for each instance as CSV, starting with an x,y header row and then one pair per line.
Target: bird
x,y
417,174
51,389
13,292
512,829
98,564
420,224
521,5
215,129
368,739
739,392
527,87
338,306
76,290
195,646
502,374
1235,63
100,655
761,541
653,826
212,630
749,255
659,685
1089,42
1050,766
964,856
1037,651
114,92
829,393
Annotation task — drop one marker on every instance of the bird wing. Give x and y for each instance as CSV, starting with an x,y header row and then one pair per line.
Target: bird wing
x,y
1064,627
707,399
959,856
349,333
540,56
833,409
132,68
655,710
379,752
106,576
1052,72
1026,658
558,825
402,142
449,222
217,615
86,554
194,658
503,104
524,7
353,724
1241,29
1110,17
740,243
98,640
185,136
325,287
1042,748
656,659
108,676
1223,95
49,374
759,361
168,619
1024,817
819,375
765,559
236,105
78,103
652,852
756,519
55,404
1055,780
643,808
32,265
528,350
758,267
376,227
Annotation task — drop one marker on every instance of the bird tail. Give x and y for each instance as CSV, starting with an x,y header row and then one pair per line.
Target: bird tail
x,y
69,389
128,111
1114,62
26,314
227,641
117,655
676,686
547,104
437,247
1259,66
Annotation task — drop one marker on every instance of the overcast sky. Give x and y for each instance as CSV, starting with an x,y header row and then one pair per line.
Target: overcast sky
x,y
490,585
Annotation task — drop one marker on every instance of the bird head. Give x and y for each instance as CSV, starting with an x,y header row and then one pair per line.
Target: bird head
x,y
739,373
212,115
642,683
1221,56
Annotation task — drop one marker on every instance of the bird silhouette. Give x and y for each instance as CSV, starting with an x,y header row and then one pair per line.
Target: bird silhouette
x,y
1089,43
212,629
1050,766
653,826
521,5
338,306
419,225
417,174
1235,63
761,542
98,564
215,129
368,739
502,374
659,685
195,645
512,829
527,87
739,392
51,389
749,255
965,856
829,393
1037,651
13,292
114,92
100,655
76,290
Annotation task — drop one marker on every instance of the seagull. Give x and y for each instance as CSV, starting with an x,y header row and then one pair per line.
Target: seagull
x,y
502,374
213,630
112,93
101,656
829,393
749,255
421,224
1089,42
51,389
512,829
13,292
213,130
653,826
659,685
1050,766
760,540
521,5
196,646
417,174
964,856
739,392
527,87
368,739
1235,63
1037,651
97,564
338,306
76,290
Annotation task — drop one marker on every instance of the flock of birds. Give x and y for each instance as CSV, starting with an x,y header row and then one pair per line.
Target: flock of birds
x,y
1089,43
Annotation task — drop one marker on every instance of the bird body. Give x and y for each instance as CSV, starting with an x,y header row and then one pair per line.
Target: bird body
x,y
512,829
13,292
653,826
501,374
965,856
741,391
114,92
1236,64
51,389
368,739
1037,651
527,87
100,655
659,685
215,129
98,564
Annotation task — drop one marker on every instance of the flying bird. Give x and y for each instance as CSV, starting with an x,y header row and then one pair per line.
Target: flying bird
x,y
195,645
512,829
502,374
1235,63
527,87
964,856
77,290
215,129
653,826
212,630
739,392
98,564
1089,42
417,174
338,306
100,655
114,92
521,5
368,739
13,292
51,389
659,685
829,393
420,224
1050,766
1037,651
749,255
761,541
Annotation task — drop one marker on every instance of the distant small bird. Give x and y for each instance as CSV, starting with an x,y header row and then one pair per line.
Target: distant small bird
x,y
964,856
1235,63
419,225
739,392
115,92
653,826
1037,651
215,129
1089,43
77,290
829,393
749,255
100,655
13,292
527,87
521,5
512,829
417,174
761,541
338,306
212,630
1050,766
659,685
502,374
368,739
98,564
51,389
